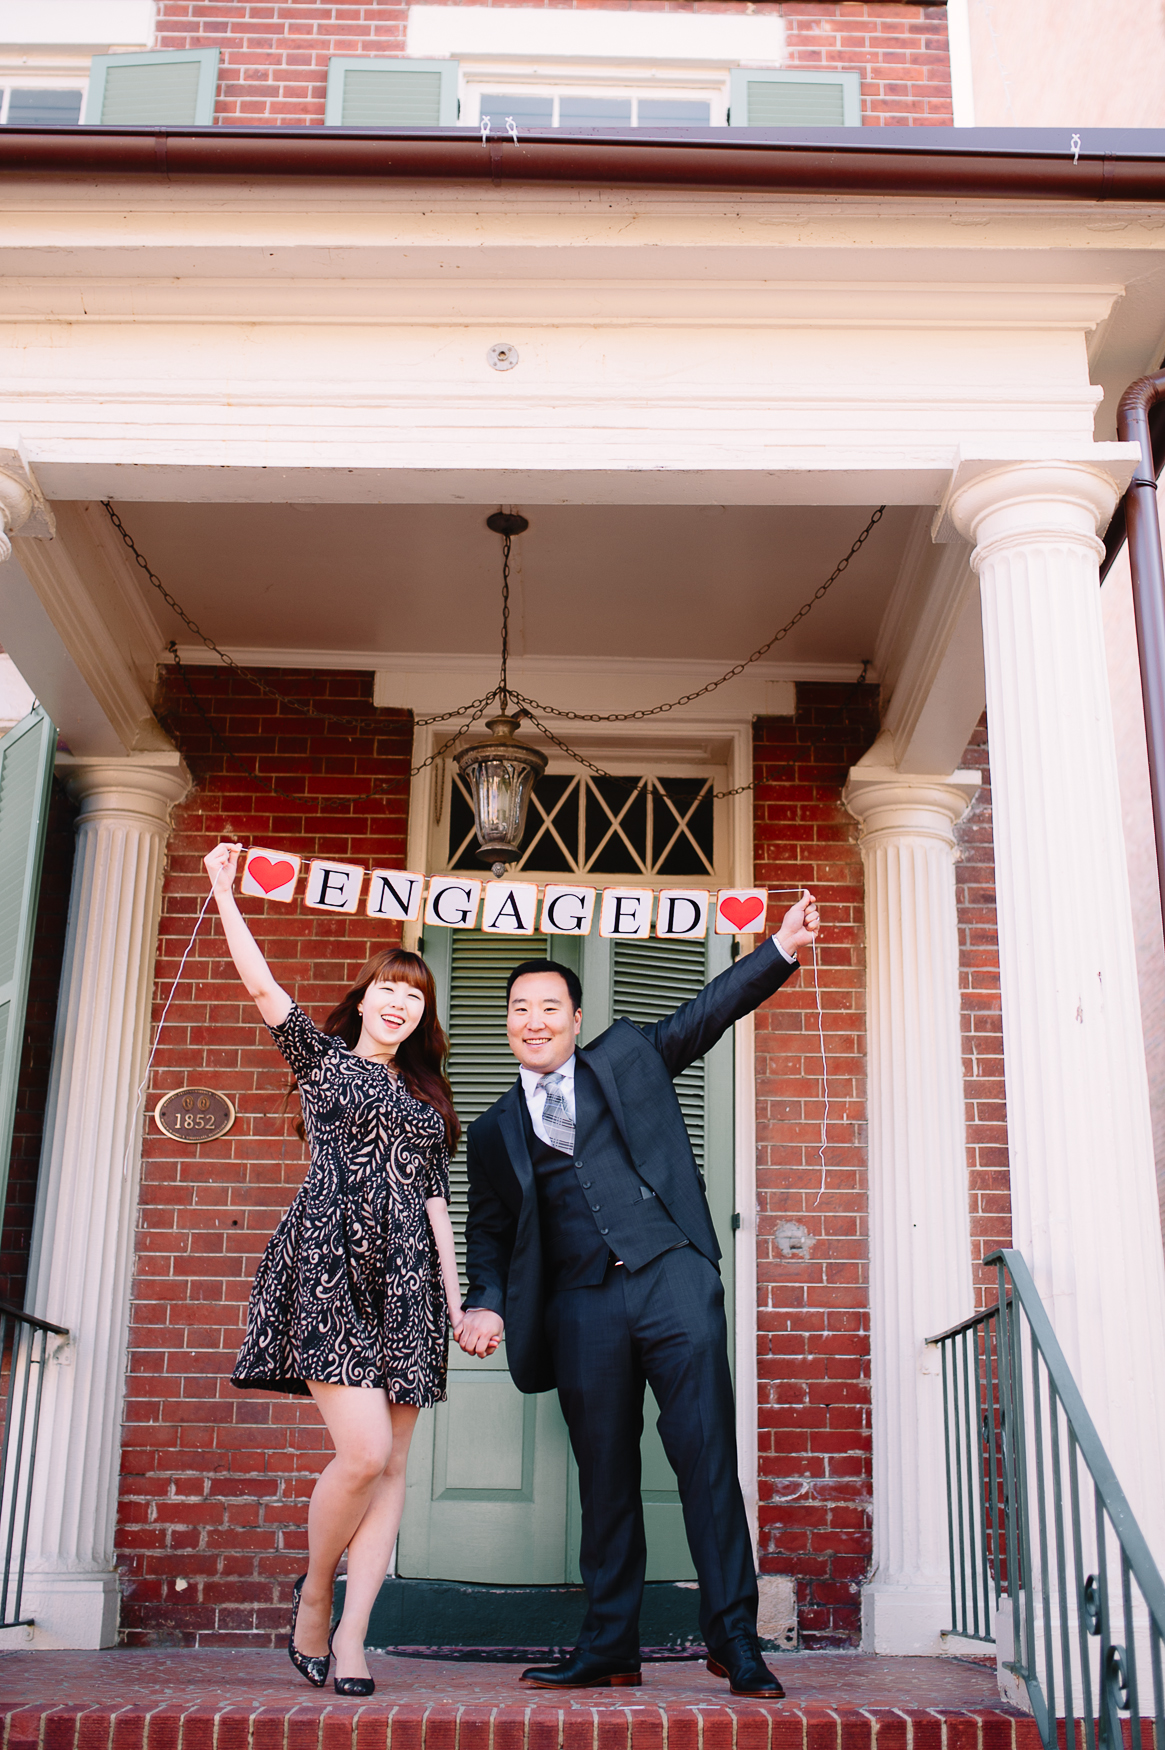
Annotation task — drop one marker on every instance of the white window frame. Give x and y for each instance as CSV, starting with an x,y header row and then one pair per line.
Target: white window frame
x,y
682,80
207,81
58,74
850,82
339,66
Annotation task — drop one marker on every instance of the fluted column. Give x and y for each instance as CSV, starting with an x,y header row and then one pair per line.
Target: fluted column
x,y
920,1244
1083,1194
82,1250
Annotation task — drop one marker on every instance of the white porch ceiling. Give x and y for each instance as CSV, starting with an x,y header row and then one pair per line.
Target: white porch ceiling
x,y
702,582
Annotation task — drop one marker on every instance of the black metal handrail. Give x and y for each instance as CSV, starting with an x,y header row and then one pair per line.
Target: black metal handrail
x,y
23,1352
1016,1430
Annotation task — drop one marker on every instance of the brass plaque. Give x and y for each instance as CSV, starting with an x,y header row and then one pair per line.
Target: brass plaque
x,y
194,1115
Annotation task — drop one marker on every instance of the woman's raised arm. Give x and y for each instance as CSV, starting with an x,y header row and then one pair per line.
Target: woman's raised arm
x,y
271,1000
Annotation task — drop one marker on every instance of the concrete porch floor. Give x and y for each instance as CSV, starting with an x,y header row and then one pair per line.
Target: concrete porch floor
x,y
214,1700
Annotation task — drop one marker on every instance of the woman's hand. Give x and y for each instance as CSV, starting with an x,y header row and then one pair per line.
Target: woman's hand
x,y
221,865
456,1321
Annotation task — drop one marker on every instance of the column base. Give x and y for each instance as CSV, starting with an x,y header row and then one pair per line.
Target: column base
x,y
905,1619
68,1610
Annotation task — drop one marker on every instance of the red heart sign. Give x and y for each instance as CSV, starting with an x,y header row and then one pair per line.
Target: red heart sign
x,y
741,912
268,875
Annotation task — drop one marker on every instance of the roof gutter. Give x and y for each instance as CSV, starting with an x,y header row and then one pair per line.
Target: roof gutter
x,y
1147,568
965,163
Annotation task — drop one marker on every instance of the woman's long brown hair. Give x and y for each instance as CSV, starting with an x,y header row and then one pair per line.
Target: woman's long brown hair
x,y
420,1059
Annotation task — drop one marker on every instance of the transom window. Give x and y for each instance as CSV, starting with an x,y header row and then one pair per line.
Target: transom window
x,y
584,825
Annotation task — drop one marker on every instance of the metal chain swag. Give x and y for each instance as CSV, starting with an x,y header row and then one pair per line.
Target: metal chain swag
x,y
533,709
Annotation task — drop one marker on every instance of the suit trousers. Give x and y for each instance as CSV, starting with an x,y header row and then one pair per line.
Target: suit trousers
x,y
663,1326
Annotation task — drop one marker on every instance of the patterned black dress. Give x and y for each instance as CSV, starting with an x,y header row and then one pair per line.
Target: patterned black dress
x,y
349,1289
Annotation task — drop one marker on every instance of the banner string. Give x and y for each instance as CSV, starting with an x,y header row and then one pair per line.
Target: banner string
x,y
142,1085
824,1063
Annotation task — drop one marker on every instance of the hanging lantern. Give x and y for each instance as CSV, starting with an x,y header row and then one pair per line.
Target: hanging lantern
x,y
500,773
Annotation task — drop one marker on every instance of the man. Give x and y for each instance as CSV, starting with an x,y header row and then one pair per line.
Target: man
x,y
591,1247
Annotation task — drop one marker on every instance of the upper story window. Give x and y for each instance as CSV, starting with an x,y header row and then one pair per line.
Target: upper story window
x,y
598,108
32,106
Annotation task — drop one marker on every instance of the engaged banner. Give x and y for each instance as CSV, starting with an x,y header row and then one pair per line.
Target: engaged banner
x,y
505,908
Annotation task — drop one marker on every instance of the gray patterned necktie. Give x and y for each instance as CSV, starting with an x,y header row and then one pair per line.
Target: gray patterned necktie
x,y
557,1119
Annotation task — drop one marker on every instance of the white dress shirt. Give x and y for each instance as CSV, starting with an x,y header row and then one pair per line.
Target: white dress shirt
x,y
536,1094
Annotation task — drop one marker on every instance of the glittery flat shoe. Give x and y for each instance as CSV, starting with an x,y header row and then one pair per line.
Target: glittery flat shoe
x,y
313,1666
359,1686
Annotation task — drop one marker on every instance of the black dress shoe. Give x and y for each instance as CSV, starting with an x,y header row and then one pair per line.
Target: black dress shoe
x,y
313,1666
581,1671
739,1659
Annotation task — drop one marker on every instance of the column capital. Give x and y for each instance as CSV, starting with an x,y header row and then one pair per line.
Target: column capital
x,y
145,786
1024,503
22,506
890,803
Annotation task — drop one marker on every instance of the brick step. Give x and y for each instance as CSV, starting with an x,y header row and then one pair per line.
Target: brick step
x,y
212,1700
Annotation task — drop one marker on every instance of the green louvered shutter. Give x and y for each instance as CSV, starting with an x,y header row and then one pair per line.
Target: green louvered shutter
x,y
651,979
26,770
366,92
795,99
481,1064
165,88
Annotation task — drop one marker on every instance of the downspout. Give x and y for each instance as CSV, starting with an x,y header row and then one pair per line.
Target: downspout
x,y
1147,567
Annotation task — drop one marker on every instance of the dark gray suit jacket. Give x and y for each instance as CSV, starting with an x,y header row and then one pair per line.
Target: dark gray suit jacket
x,y
635,1067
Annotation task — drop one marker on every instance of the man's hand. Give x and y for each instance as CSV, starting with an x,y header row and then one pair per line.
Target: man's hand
x,y
800,924
481,1331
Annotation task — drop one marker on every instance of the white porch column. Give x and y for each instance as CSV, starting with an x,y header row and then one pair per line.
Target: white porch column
x,y
1083,1196
920,1242
82,1248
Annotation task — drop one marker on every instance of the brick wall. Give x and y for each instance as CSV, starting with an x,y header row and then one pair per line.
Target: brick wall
x,y
36,1056
813,1302
274,62
982,1021
901,50
215,1482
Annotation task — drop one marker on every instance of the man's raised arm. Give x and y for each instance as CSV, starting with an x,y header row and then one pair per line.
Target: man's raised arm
x,y
695,1026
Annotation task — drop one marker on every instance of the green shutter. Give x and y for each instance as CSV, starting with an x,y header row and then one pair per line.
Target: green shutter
x,y
382,93
26,770
651,979
795,99
481,1064
173,87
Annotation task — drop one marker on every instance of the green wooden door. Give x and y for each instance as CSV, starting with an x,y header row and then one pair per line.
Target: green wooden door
x,y
492,1489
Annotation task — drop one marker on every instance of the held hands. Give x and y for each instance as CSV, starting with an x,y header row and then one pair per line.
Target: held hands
x,y
221,865
480,1332
800,924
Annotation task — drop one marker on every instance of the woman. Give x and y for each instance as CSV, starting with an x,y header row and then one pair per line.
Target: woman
x,y
355,1290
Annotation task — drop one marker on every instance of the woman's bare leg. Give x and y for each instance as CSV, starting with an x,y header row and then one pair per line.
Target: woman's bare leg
x,y
370,1547
360,1424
